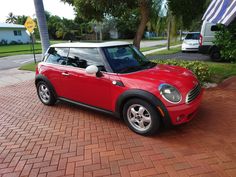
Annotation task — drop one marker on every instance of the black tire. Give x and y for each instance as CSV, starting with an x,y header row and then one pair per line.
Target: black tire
x,y
149,111
45,93
215,55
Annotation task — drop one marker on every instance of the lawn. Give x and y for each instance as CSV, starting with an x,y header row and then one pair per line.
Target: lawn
x,y
221,71
19,49
10,50
29,66
166,52
144,49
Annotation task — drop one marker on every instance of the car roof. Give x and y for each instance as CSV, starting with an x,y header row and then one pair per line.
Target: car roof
x,y
91,44
193,32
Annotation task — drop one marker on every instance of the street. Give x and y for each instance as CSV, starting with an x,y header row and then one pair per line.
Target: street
x,y
17,60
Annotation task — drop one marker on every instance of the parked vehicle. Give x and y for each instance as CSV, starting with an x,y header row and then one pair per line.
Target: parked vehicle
x,y
191,42
206,45
114,77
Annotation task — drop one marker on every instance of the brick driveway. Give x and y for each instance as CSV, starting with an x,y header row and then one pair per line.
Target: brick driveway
x,y
65,140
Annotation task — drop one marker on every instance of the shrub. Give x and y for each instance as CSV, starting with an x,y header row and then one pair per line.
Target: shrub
x,y
226,40
200,69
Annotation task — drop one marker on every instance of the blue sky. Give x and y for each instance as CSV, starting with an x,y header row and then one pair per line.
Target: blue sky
x,y
26,7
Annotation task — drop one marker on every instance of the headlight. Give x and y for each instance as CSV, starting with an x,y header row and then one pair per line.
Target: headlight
x,y
170,93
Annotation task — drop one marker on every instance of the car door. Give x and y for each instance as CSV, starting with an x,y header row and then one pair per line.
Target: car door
x,y
55,63
85,88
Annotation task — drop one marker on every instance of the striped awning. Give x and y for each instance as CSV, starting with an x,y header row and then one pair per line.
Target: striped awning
x,y
221,11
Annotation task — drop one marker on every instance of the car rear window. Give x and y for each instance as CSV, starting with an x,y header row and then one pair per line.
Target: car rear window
x,y
193,36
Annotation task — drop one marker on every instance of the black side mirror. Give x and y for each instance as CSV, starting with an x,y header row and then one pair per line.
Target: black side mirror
x,y
99,73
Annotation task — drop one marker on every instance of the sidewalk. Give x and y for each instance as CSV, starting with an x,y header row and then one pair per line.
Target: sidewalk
x,y
159,49
14,76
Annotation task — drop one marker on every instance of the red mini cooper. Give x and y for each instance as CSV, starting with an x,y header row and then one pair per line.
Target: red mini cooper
x,y
115,78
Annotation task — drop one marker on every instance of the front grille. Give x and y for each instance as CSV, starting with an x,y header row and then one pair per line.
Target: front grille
x,y
193,93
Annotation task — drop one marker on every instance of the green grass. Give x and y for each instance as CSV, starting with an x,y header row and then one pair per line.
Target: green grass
x,y
29,66
10,50
173,43
221,71
166,52
144,49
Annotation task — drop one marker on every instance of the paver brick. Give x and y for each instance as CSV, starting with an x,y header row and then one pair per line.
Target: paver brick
x,y
66,140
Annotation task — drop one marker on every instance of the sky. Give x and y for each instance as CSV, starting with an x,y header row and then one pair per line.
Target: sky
x,y
26,7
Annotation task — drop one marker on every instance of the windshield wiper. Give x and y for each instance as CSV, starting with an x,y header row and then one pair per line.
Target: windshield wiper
x,y
130,68
148,64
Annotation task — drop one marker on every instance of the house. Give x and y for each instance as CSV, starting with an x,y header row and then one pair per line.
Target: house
x,y
13,34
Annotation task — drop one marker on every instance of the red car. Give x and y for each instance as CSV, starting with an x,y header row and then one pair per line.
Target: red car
x,y
114,77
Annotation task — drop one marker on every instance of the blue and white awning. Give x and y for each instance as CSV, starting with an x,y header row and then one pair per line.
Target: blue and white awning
x,y
221,11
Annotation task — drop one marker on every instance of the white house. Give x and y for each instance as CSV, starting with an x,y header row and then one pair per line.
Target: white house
x,y
13,33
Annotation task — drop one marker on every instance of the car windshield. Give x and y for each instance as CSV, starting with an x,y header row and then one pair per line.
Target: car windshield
x,y
125,59
193,36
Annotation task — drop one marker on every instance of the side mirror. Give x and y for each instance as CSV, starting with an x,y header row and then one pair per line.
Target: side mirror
x,y
92,69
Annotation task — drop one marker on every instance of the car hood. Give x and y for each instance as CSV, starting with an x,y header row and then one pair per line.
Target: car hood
x,y
181,78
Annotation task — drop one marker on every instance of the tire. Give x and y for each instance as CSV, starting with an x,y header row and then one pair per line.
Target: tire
x,y
215,55
45,93
134,113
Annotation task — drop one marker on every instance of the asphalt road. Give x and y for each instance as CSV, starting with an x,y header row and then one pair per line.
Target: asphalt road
x,y
17,60
183,56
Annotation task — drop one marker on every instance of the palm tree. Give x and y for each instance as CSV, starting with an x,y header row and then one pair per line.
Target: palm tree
x,y
42,24
11,18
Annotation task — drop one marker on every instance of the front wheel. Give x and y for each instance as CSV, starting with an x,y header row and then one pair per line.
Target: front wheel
x,y
141,117
45,93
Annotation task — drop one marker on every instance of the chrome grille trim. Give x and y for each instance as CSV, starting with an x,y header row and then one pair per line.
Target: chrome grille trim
x,y
192,94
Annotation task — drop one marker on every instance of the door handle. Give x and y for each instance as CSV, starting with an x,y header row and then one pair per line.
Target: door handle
x,y
65,74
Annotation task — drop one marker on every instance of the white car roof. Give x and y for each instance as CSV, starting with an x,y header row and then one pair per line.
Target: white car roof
x,y
91,44
192,32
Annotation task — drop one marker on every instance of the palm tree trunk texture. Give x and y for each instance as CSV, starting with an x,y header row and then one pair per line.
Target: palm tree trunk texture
x,y
144,6
168,34
42,24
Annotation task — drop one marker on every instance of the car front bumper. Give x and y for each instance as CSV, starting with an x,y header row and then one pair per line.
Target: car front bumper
x,y
184,113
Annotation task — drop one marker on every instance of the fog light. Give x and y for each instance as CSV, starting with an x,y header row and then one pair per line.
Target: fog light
x,y
179,118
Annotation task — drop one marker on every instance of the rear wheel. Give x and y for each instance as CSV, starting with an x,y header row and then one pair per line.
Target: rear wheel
x,y
215,55
45,93
141,117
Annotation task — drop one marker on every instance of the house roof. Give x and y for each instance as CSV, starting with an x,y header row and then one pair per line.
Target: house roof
x,y
10,25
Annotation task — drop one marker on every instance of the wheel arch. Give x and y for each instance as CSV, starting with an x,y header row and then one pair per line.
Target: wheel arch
x,y
41,77
144,95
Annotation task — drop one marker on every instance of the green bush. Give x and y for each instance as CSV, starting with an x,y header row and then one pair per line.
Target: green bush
x,y
200,69
226,40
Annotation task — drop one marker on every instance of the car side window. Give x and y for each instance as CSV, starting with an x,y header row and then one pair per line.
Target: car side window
x,y
83,57
57,55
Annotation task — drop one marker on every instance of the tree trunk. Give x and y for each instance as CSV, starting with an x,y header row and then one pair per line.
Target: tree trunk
x,y
144,6
42,24
168,34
